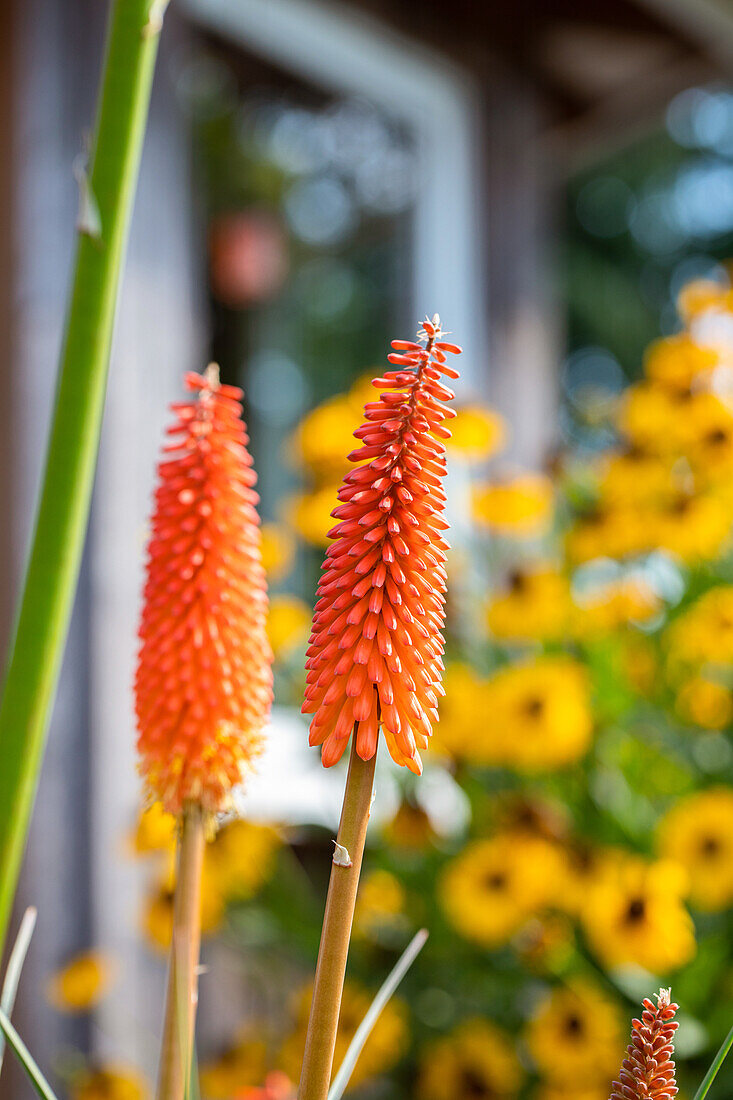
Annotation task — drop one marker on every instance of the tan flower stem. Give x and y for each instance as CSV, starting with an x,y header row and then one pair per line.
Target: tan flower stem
x,y
315,1076
180,1014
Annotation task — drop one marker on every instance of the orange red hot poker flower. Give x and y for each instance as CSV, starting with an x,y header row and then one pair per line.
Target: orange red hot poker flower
x,y
204,683
648,1070
375,655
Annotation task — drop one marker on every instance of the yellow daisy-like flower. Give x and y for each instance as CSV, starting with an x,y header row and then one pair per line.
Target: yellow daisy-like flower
x,y
477,432
81,984
383,1049
535,605
695,527
703,634
380,905
310,513
459,733
109,1083
651,417
242,1065
278,549
610,606
705,702
288,624
324,436
475,1060
520,508
635,914
679,362
634,477
155,831
576,1034
410,828
490,889
241,858
537,715
609,532
708,437
698,833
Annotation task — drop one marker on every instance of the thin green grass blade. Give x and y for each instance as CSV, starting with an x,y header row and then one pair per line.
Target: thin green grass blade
x,y
364,1029
14,968
717,1062
61,520
36,1078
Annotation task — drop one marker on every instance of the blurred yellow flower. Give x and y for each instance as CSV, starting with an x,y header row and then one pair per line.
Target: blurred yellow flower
x,y
410,828
608,533
701,295
678,361
157,919
81,984
380,904
491,888
634,913
477,432
310,513
521,508
651,416
383,1049
694,527
474,1060
708,437
241,858
324,437
572,1091
705,702
157,915
576,1035
155,831
703,634
698,833
535,605
634,477
278,550
242,1065
536,715
609,606
583,865
288,624
459,731
109,1083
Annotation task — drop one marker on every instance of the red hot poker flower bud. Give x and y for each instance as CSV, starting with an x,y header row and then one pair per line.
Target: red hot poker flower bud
x,y
375,650
648,1070
204,682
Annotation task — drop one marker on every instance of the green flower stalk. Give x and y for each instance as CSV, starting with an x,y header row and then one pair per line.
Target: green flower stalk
x,y
61,521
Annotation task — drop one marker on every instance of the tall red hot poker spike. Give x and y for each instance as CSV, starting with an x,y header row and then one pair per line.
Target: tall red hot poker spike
x,y
375,655
648,1072
204,682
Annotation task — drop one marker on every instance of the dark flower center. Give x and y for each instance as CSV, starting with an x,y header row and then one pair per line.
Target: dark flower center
x,y
495,880
473,1086
573,1024
534,706
710,846
635,911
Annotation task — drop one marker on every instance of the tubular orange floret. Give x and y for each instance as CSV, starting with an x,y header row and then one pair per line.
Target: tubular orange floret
x,y
204,683
648,1071
375,650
